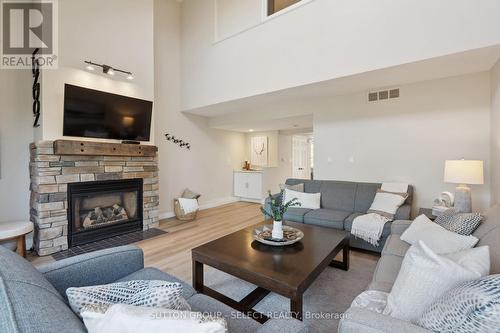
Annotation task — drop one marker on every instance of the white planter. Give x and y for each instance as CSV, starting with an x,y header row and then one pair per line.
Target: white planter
x,y
277,232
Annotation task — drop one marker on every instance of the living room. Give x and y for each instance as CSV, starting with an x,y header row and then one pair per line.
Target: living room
x,y
337,105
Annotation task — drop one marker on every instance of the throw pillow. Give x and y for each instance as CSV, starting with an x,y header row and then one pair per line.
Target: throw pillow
x,y
476,259
188,194
425,276
461,223
296,187
372,300
387,203
122,318
472,307
306,200
436,237
152,293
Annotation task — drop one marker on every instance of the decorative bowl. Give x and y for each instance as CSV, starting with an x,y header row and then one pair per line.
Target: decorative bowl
x,y
290,236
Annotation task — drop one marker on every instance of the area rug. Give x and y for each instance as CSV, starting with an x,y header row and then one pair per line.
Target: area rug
x,y
325,300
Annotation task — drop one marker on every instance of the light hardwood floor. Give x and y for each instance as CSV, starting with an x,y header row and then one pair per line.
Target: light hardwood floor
x,y
171,252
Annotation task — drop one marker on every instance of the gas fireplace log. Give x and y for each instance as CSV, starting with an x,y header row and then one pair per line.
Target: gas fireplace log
x,y
100,216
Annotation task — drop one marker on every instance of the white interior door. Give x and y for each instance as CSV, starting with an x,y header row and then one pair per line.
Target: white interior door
x,y
301,158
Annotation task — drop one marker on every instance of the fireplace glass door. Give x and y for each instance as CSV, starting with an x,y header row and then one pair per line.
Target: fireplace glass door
x,y
103,209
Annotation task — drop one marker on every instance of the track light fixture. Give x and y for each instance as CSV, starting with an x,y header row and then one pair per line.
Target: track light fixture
x,y
106,69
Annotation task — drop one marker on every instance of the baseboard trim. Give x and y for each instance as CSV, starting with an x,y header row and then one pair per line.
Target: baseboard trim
x,y
207,205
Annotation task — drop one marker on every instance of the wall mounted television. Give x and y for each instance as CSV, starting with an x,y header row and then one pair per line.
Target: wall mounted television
x,y
97,114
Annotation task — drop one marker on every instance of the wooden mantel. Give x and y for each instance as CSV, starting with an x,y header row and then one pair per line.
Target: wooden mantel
x,y
72,147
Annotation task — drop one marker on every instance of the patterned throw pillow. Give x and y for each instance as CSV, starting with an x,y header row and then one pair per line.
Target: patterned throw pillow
x,y
461,223
153,293
471,307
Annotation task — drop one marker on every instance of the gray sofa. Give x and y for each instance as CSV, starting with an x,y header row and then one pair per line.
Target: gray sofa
x,y
34,300
341,202
364,321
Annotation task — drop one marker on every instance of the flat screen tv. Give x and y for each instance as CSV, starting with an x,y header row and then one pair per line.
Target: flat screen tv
x,y
97,114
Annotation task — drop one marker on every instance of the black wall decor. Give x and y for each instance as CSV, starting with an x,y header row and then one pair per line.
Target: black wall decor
x,y
35,67
179,142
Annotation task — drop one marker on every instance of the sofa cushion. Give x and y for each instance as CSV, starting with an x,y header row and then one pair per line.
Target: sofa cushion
x,y
381,286
326,218
236,323
28,302
310,186
365,193
395,246
151,273
295,214
302,199
488,233
471,307
338,195
436,237
387,269
152,293
359,243
93,268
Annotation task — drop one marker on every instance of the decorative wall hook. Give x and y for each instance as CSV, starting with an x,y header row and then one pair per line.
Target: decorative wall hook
x,y
179,142
35,90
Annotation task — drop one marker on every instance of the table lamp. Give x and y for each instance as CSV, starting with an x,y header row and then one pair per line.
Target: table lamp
x,y
463,172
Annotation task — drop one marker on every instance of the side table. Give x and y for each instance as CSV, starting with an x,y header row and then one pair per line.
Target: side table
x,y
18,231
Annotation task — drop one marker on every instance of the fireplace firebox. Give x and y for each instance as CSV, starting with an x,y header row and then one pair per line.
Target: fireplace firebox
x,y
103,209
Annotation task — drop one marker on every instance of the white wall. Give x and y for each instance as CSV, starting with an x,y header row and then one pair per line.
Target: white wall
x,y
407,139
208,167
495,133
16,133
323,40
114,32
273,177
235,16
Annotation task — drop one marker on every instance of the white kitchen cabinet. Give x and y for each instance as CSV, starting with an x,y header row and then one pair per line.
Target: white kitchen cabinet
x,y
248,185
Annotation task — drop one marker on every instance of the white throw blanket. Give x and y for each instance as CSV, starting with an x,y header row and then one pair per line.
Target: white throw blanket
x,y
369,227
188,205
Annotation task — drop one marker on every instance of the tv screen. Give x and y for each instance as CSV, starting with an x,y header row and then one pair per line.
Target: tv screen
x,y
97,114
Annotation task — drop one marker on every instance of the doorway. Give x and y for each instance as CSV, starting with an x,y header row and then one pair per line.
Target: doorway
x,y
302,156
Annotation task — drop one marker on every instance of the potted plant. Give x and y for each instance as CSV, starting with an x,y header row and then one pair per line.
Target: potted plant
x,y
278,208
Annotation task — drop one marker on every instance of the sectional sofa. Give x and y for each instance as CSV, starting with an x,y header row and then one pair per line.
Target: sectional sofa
x,y
357,320
341,203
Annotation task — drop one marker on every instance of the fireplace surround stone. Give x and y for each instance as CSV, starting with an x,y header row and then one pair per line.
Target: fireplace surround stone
x,y
51,172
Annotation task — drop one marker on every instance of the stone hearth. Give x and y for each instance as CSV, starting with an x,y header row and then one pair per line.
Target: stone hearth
x,y
52,168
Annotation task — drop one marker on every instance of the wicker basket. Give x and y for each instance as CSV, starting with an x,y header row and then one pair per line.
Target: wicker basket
x,y
179,213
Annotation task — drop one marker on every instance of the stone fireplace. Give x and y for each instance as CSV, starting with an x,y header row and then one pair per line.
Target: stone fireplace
x,y
84,191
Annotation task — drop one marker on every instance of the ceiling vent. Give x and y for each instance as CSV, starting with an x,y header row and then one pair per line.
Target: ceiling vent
x,y
383,95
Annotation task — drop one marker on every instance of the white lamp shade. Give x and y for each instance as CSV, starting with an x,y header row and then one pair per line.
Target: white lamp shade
x,y
463,172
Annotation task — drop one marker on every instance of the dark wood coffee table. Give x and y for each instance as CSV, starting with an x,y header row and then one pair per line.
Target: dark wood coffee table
x,y
287,270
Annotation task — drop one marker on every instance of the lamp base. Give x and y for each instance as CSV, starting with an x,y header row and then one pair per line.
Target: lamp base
x,y
463,199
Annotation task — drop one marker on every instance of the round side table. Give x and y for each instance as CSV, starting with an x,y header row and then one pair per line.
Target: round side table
x,y
16,230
